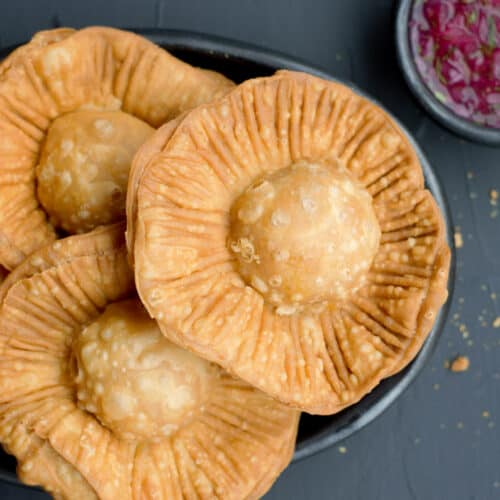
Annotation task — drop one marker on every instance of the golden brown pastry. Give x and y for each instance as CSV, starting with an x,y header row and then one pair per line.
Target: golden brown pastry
x,y
83,168
284,232
96,403
74,108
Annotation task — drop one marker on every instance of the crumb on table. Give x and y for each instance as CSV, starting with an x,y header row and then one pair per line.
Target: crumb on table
x,y
459,241
496,322
493,196
460,364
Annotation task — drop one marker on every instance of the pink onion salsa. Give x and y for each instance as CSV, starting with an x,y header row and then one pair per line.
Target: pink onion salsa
x,y
456,47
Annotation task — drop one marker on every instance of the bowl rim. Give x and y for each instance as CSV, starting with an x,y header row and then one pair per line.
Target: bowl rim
x,y
439,111
359,415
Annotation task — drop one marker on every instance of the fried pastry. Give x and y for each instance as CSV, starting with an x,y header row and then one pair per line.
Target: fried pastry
x,y
96,403
285,233
74,108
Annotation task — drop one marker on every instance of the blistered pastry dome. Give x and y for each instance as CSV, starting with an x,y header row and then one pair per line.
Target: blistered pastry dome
x,y
304,235
83,170
136,382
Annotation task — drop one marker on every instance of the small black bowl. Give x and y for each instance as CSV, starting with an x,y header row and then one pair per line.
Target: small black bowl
x,y
440,112
240,61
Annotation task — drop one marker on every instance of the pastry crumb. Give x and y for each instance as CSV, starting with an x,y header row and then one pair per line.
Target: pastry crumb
x,y
496,322
493,196
459,240
342,449
485,414
460,364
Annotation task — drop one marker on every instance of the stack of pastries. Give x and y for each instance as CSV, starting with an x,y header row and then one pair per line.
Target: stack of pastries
x,y
193,263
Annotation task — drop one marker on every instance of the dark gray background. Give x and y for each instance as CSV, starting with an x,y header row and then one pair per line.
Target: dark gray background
x,y
441,439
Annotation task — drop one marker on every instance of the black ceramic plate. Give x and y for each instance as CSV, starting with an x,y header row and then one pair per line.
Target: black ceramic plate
x,y
239,62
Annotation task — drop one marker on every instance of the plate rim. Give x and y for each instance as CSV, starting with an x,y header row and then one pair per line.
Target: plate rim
x,y
226,48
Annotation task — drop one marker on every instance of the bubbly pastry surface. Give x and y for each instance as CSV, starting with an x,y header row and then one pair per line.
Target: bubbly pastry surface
x,y
62,166
96,403
304,235
84,165
284,232
136,382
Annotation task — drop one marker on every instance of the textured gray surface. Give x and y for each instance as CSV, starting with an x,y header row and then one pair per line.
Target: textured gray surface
x,y
441,439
